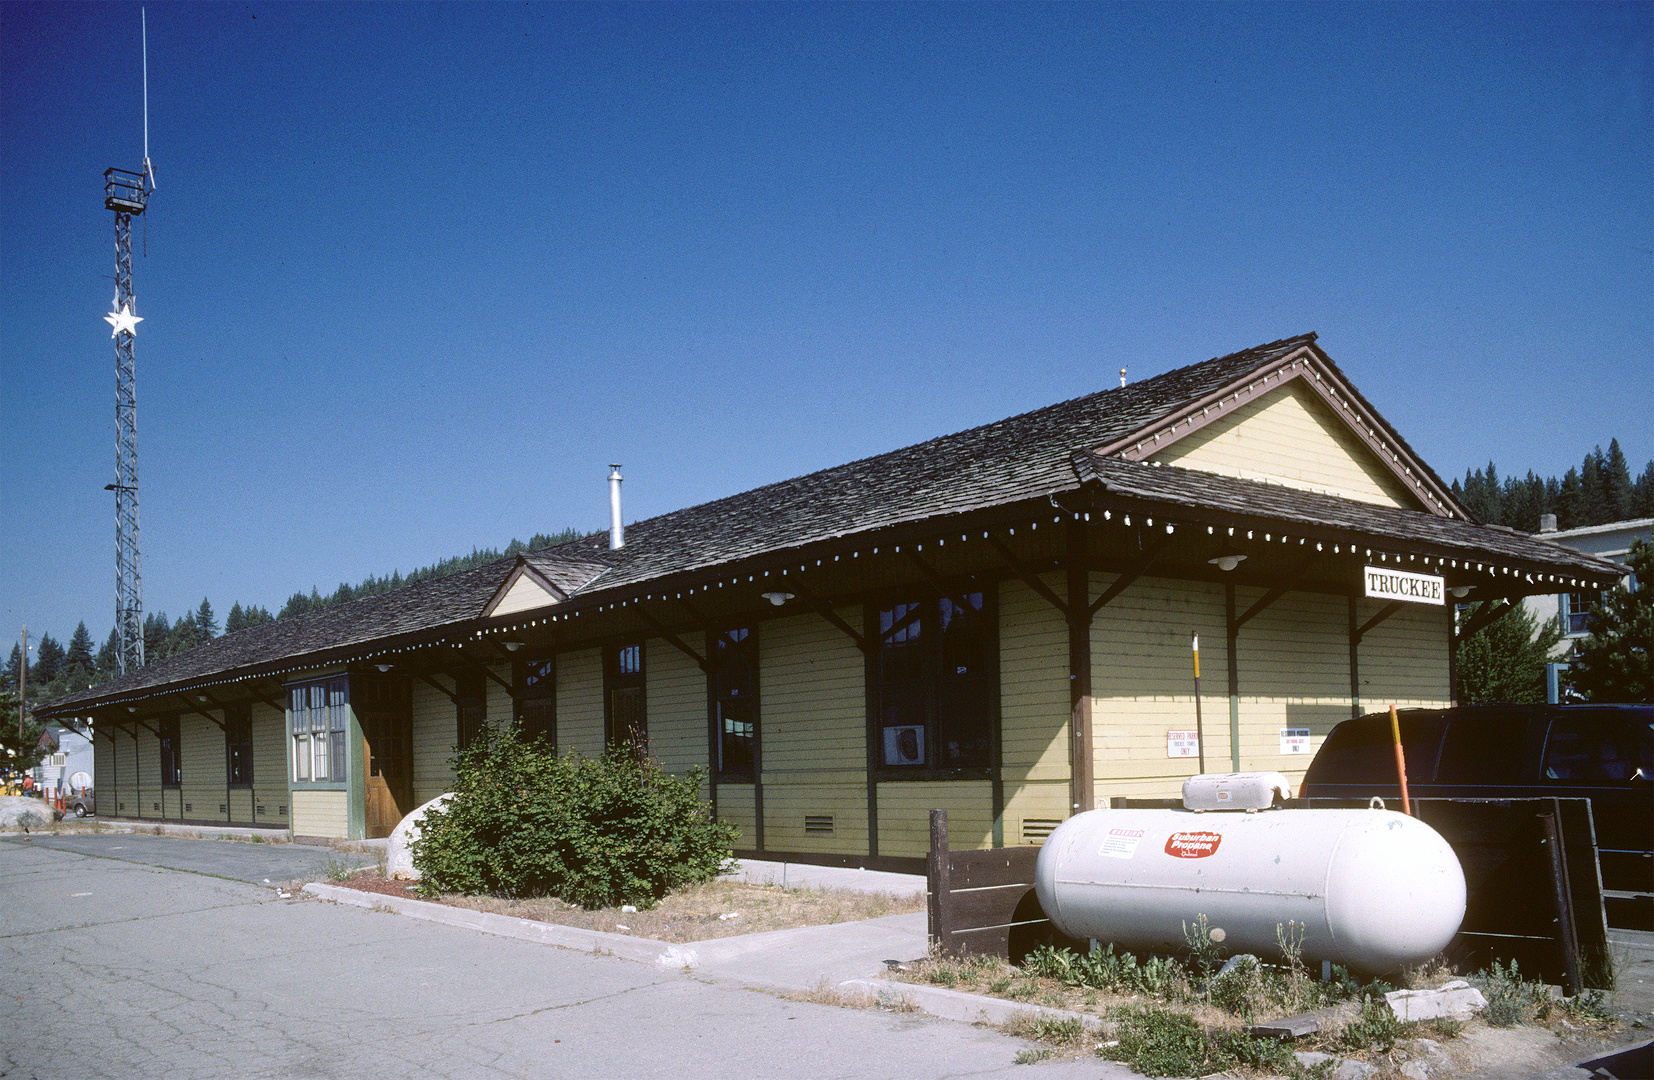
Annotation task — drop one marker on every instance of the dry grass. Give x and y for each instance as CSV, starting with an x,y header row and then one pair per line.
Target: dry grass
x,y
823,994
698,913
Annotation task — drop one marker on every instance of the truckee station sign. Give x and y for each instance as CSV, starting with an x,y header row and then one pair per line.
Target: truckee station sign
x,y
1384,584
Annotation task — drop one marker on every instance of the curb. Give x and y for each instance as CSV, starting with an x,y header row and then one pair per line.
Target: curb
x,y
934,1000
642,950
958,1005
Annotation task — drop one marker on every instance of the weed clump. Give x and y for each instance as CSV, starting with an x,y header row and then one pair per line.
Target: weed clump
x,y
597,832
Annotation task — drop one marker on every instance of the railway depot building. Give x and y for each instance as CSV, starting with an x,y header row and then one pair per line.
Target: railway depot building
x,y
998,622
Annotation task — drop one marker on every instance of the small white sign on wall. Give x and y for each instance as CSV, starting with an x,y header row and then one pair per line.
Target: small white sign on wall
x,y
1404,585
1182,744
1295,740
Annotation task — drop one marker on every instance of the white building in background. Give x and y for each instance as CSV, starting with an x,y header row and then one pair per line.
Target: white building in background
x,y
1573,610
73,755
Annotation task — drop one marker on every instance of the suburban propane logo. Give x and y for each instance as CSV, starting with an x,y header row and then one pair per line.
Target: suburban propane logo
x,y
1192,845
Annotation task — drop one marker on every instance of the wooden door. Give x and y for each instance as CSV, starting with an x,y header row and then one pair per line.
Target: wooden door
x,y
387,748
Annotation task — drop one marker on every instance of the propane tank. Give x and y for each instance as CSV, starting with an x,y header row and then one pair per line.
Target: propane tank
x,y
1372,889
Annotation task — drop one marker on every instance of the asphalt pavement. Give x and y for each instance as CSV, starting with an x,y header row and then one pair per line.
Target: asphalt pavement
x,y
119,966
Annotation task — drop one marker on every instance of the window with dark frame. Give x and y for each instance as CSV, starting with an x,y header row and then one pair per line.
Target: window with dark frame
x,y
934,684
626,719
1577,609
172,765
735,703
319,715
471,706
238,745
536,683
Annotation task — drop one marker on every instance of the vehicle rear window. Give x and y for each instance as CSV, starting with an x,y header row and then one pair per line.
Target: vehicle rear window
x,y
1592,748
1360,751
1483,748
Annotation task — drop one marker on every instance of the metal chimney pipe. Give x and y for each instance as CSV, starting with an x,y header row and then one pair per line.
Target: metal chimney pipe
x,y
617,531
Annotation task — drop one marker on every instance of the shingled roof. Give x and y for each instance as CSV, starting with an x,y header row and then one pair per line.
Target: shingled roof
x,y
1030,456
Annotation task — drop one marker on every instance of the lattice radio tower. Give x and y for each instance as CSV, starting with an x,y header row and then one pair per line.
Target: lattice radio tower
x,y
127,193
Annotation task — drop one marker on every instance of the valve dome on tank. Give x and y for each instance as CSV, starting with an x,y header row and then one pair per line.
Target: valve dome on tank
x,y
1371,889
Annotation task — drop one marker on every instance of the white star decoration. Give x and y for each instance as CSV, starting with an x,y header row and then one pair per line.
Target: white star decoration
x,y
123,319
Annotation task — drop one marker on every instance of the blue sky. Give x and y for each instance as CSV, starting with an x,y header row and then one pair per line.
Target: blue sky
x,y
416,274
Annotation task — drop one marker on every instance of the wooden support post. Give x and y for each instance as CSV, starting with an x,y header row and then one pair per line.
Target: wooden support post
x,y
938,867
1078,610
1234,675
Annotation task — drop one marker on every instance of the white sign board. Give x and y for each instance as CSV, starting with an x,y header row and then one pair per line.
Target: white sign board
x,y
1182,744
1295,740
1383,584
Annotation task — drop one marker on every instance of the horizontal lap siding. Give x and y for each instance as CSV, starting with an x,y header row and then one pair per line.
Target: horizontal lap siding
x,y
498,711
904,814
735,806
1033,685
435,729
203,766
1142,683
1294,659
320,813
1291,437
676,700
1404,658
580,702
814,733
270,767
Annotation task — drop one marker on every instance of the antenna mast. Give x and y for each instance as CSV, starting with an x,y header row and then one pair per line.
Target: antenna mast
x,y
127,193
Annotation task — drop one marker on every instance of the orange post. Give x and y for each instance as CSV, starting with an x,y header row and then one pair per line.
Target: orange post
x,y
1401,761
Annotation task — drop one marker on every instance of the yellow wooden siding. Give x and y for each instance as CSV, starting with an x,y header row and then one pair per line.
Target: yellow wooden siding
x,y
203,767
321,813
270,768
435,731
1404,658
525,594
1142,683
1032,808
735,805
580,702
904,814
676,700
1033,686
813,726
1290,437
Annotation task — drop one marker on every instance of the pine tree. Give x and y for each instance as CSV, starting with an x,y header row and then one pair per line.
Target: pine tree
x,y
48,659
110,652
1642,494
184,636
1616,483
234,620
206,627
79,656
156,632
1612,664
256,616
8,679
1593,489
1570,510
1505,660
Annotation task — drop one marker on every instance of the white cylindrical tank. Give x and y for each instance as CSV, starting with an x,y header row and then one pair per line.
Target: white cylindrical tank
x,y
1372,889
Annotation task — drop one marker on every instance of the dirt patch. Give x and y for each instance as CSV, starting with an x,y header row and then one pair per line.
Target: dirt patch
x,y
698,913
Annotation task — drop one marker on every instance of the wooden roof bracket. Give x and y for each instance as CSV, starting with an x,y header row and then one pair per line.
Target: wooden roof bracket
x,y
190,708
1016,567
1485,615
673,639
1273,594
935,579
443,690
820,607
1125,580
1383,613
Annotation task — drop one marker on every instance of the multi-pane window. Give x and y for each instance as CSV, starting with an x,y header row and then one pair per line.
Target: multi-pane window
x,y
934,684
537,699
1577,609
735,702
172,759
238,744
319,715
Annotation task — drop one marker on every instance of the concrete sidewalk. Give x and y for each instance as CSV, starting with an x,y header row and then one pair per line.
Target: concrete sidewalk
x,y
806,876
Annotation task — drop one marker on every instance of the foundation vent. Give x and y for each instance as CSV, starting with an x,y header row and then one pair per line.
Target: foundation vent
x,y
189,808
260,810
281,810
1035,830
222,809
820,825
157,807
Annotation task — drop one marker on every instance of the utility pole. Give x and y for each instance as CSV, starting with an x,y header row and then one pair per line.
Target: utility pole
x,y
22,681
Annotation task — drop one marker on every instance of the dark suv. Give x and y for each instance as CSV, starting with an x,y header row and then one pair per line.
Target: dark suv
x,y
1601,752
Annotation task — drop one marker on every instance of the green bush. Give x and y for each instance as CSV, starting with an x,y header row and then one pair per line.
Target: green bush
x,y
525,822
